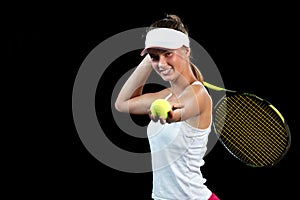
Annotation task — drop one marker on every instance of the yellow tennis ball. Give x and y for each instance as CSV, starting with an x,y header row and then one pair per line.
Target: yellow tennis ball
x,y
160,108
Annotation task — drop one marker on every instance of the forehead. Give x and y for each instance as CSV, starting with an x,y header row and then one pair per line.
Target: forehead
x,y
159,50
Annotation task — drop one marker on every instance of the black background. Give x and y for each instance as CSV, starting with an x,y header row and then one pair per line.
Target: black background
x,y
253,47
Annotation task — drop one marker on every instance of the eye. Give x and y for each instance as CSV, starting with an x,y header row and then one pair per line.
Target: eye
x,y
154,57
168,53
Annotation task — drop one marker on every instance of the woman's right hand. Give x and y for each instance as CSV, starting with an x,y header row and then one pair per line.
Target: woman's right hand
x,y
156,118
172,117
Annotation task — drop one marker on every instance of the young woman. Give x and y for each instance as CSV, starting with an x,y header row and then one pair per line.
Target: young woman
x,y
178,143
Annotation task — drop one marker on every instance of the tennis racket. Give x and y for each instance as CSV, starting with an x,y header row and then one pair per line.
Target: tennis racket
x,y
250,128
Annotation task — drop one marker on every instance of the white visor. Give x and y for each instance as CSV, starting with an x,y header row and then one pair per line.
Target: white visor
x,y
165,38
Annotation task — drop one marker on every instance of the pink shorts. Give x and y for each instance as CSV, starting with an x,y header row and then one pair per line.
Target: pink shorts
x,y
213,197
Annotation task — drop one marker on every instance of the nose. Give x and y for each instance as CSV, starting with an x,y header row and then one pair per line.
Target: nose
x,y
161,62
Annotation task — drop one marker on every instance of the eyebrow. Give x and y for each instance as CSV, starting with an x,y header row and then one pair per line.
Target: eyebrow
x,y
160,51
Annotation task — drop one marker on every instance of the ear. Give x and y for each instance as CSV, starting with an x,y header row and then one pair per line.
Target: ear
x,y
188,51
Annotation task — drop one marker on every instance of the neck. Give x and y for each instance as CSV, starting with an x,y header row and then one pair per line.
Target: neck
x,y
178,85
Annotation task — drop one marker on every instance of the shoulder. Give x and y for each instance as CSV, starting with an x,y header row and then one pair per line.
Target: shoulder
x,y
199,86
200,92
197,83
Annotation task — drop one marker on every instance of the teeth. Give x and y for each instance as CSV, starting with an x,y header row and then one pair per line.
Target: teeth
x,y
165,72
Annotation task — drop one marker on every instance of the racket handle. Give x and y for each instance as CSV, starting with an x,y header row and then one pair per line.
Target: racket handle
x,y
211,86
217,88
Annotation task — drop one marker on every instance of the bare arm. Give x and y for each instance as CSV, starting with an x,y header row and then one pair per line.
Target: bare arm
x,y
130,98
194,101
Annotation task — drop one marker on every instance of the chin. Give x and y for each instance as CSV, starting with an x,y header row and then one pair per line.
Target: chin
x,y
167,78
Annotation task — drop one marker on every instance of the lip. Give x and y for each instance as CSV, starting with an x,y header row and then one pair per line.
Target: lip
x,y
165,71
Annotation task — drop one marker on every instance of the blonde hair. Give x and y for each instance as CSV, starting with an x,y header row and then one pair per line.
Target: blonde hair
x,y
197,73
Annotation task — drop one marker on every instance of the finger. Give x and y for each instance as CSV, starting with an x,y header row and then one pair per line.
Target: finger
x,y
152,117
162,120
177,106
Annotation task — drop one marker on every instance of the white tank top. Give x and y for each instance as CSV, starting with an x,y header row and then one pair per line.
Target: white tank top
x,y
177,151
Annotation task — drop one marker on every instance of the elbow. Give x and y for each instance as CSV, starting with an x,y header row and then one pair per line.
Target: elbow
x,y
119,106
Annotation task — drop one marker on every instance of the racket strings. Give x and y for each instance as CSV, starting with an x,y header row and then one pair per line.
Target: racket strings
x,y
251,129
259,117
259,114
240,146
237,141
257,149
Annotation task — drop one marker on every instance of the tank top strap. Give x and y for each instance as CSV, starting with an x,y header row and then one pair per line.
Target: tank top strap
x,y
194,83
167,97
197,83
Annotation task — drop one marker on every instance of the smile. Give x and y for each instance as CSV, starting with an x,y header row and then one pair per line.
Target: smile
x,y
165,71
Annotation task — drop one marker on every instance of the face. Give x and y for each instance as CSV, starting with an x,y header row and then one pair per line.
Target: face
x,y
170,63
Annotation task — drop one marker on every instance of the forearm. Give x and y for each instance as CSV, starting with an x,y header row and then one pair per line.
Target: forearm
x,y
134,85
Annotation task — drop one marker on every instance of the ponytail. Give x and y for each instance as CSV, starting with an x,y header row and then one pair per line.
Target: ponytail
x,y
197,73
